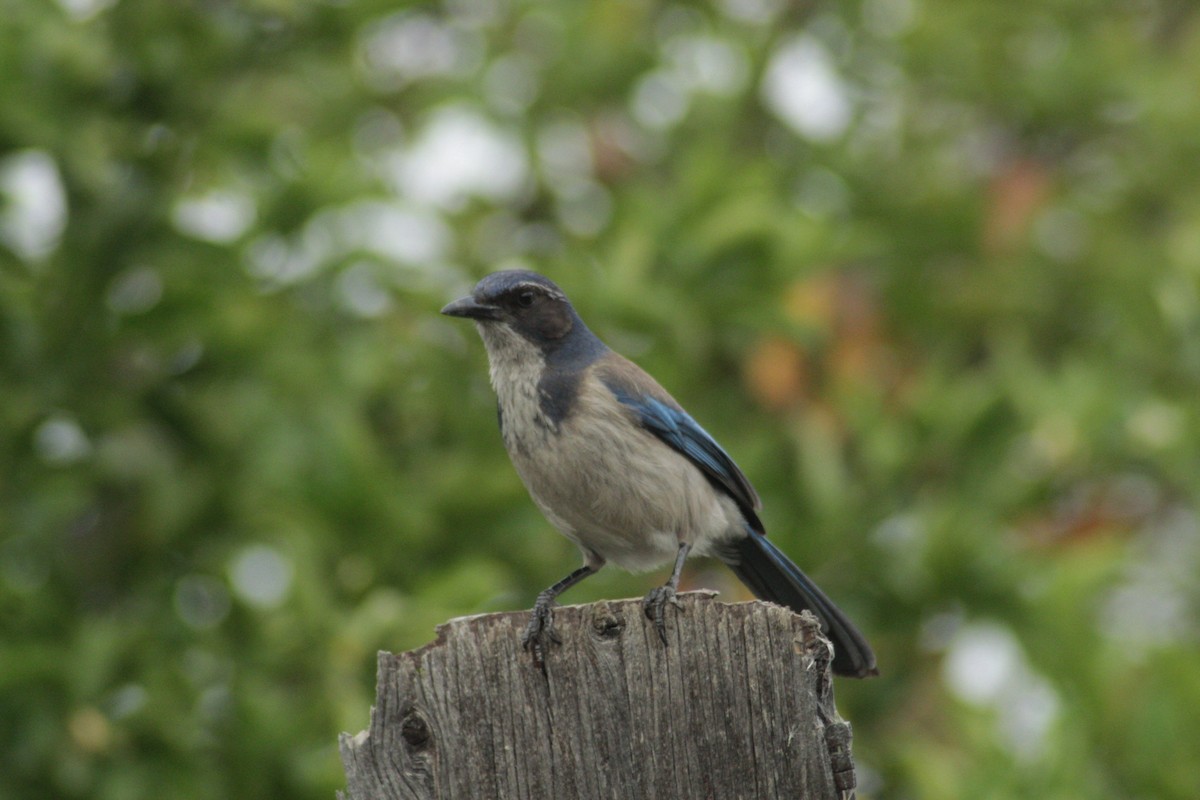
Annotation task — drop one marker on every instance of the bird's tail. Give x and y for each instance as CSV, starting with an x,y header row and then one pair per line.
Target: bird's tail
x,y
772,576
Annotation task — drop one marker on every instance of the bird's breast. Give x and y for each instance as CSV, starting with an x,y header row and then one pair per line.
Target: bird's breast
x,y
604,481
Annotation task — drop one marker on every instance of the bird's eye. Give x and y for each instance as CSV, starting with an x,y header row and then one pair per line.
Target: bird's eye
x,y
525,299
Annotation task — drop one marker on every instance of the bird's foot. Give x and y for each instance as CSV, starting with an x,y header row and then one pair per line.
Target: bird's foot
x,y
539,634
655,604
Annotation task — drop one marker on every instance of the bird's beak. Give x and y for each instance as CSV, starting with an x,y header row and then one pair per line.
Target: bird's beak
x,y
471,309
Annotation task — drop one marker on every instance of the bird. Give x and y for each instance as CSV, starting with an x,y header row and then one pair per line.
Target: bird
x,y
618,467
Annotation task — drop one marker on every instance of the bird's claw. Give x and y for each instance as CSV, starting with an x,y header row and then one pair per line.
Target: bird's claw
x,y
539,634
655,604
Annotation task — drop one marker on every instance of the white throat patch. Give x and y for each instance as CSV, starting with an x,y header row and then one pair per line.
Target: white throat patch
x,y
515,367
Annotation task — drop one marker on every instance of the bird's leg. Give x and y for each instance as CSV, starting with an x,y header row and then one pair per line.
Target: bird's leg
x,y
658,598
539,634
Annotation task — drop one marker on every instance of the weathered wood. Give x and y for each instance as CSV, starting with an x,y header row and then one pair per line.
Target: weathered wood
x,y
739,705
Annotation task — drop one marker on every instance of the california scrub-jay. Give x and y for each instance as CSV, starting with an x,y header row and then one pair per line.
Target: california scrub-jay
x,y
620,468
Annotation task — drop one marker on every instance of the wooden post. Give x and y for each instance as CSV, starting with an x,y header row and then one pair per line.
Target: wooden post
x,y
739,705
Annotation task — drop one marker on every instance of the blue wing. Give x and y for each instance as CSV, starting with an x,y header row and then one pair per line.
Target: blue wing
x,y
659,414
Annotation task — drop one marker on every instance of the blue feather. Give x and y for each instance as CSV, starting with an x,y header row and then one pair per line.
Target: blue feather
x,y
670,423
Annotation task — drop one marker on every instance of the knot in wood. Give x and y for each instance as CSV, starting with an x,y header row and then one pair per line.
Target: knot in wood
x,y
607,625
415,730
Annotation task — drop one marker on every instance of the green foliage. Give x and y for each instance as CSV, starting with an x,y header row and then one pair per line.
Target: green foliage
x,y
930,271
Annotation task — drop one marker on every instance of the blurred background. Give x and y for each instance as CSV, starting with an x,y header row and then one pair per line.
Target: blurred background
x,y
929,270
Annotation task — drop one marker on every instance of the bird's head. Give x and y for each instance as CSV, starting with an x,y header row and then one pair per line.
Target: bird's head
x,y
519,302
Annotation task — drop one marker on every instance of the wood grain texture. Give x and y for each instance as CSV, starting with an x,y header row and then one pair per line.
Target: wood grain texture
x,y
739,705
